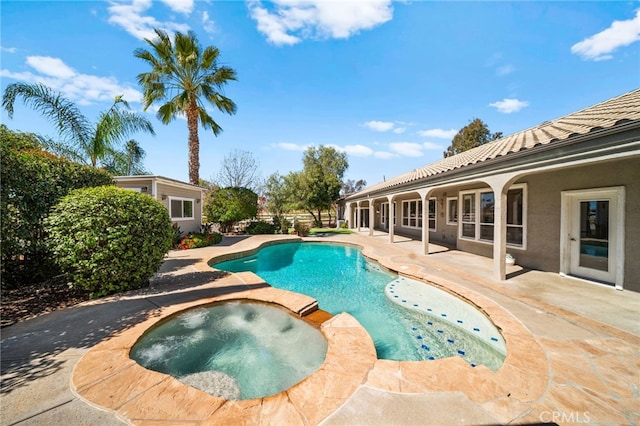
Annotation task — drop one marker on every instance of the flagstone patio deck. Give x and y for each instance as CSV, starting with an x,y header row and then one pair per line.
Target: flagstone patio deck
x,y
573,353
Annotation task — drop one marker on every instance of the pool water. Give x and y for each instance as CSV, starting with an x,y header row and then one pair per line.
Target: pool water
x,y
234,350
343,280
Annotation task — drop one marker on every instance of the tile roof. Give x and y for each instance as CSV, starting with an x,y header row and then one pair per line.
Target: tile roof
x,y
607,114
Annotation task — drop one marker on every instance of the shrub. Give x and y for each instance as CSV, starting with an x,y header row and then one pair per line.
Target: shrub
x,y
302,229
33,180
226,206
109,239
198,239
261,227
177,234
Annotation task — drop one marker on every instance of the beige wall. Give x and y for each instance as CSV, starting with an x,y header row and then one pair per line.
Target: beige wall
x,y
543,227
174,191
544,215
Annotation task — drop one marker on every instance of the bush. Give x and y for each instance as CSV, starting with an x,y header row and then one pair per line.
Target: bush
x,y
226,206
198,239
33,180
302,229
261,227
109,239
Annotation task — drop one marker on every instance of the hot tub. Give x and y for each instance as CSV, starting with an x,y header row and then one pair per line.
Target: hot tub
x,y
235,350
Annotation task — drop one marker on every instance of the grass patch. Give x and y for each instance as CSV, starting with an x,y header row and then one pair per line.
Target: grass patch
x,y
313,231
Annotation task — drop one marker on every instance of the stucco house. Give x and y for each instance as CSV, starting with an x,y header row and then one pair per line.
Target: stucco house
x,y
563,196
182,200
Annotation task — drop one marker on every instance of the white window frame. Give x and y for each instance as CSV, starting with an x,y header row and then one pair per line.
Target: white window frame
x,y
449,210
193,205
407,219
478,216
433,200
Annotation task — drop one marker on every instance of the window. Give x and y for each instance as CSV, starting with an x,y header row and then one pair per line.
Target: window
x,y
469,215
432,214
452,211
412,214
477,212
384,213
181,208
486,215
515,222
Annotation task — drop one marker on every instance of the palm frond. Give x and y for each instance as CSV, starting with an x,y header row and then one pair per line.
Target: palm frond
x,y
63,114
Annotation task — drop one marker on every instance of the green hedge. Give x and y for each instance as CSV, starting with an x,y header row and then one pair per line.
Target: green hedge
x,y
261,227
109,239
33,181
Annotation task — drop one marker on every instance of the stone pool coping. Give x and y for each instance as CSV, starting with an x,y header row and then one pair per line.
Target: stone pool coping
x,y
106,377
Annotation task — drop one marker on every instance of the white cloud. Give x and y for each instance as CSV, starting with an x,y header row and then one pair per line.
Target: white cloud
x,y
600,46
180,6
357,150
407,149
399,130
291,21
53,67
292,146
505,70
379,126
438,133
83,89
507,106
130,16
8,49
208,24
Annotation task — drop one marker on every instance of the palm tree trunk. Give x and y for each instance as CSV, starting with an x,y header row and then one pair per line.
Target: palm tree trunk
x,y
194,143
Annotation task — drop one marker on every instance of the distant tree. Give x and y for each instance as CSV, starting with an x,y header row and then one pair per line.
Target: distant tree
x,y
277,196
351,186
129,161
226,206
472,135
186,75
239,169
320,181
92,143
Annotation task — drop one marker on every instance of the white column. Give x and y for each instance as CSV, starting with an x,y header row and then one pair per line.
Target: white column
x,y
500,185
358,214
347,215
425,223
392,214
372,213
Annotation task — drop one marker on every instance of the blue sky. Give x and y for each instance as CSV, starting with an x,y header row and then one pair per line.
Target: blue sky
x,y
390,83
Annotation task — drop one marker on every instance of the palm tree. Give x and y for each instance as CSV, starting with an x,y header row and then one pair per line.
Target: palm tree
x,y
83,141
127,162
185,75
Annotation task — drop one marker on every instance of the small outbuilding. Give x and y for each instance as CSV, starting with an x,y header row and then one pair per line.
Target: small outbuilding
x,y
182,200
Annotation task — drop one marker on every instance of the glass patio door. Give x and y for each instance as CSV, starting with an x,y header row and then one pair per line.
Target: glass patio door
x,y
593,234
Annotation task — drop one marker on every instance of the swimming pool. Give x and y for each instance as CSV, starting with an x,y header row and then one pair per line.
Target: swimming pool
x,y
343,280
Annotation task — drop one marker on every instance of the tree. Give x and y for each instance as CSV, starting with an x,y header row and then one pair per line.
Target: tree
x,y
277,197
321,179
185,75
128,162
239,170
91,143
351,186
33,180
472,135
226,206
